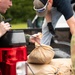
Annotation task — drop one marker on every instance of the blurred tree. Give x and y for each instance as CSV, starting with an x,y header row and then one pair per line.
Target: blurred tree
x,y
21,11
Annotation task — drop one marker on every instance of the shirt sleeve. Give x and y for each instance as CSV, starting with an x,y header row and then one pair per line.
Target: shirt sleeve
x,y
64,7
27,36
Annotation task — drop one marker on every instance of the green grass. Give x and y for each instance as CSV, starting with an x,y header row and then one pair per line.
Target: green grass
x,y
19,26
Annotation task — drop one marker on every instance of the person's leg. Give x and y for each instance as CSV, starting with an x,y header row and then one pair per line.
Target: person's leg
x,y
73,53
46,39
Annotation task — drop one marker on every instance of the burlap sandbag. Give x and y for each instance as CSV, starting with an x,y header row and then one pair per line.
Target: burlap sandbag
x,y
41,54
61,61
64,70
56,67
63,65
45,69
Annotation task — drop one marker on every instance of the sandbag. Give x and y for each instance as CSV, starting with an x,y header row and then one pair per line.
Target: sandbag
x,y
56,67
45,69
61,61
41,54
64,66
64,70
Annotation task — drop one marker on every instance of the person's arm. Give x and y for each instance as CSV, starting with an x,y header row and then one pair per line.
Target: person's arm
x,y
48,17
49,23
67,11
4,27
71,23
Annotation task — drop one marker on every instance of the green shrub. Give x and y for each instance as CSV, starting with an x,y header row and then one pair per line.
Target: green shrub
x,y
21,11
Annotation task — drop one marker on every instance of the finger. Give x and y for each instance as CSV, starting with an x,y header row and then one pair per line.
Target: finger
x,y
37,40
7,24
2,22
8,28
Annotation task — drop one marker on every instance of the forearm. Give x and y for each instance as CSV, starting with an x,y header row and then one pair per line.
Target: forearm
x,y
71,23
48,17
49,23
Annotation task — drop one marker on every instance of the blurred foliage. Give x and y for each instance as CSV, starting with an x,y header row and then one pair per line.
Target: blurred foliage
x,y
19,26
20,11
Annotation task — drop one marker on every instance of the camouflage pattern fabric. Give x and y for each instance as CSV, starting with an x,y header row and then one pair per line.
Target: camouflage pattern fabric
x,y
73,53
1,18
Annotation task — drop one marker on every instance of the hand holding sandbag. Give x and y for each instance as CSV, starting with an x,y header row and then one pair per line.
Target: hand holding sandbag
x,y
41,54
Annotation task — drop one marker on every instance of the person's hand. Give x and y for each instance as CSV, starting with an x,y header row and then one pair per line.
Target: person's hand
x,y
35,38
4,27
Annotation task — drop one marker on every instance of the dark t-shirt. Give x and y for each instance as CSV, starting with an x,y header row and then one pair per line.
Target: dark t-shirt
x,y
64,7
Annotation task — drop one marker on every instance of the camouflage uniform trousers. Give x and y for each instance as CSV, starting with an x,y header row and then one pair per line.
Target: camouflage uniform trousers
x,y
73,53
